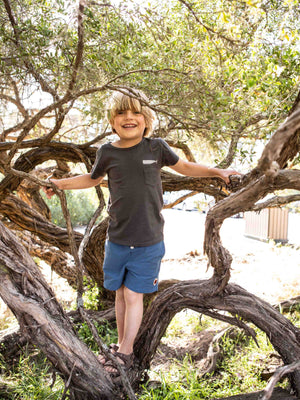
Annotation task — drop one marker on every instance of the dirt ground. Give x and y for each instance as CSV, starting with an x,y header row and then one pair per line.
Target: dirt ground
x,y
268,270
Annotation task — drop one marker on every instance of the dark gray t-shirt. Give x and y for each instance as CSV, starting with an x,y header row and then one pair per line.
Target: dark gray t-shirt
x,y
135,190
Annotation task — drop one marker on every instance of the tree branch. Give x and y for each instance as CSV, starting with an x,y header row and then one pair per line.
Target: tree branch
x,y
208,29
17,103
80,46
279,373
200,296
276,201
180,200
184,147
59,121
44,84
243,200
268,162
52,255
43,320
235,139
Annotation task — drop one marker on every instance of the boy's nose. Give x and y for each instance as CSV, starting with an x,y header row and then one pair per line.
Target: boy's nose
x,y
129,114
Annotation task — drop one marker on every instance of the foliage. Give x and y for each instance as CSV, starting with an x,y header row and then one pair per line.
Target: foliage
x,y
239,371
92,297
295,316
107,333
31,380
232,60
216,73
81,205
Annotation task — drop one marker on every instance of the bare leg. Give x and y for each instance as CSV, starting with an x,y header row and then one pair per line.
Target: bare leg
x,y
128,322
120,307
120,316
132,320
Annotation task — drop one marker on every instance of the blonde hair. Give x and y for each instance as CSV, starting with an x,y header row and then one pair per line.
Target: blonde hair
x,y
125,101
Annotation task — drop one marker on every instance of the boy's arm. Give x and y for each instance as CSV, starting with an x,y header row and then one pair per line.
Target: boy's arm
x,y
198,170
77,182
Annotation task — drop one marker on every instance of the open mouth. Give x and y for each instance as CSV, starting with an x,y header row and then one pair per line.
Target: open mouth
x,y
129,126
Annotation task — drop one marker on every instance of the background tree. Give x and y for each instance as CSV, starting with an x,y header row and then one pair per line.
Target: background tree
x,y
221,76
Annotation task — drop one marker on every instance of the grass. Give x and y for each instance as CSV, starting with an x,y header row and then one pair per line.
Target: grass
x,y
30,379
239,371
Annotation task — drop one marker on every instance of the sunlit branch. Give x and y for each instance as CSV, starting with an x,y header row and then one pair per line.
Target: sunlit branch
x,y
276,201
80,47
208,29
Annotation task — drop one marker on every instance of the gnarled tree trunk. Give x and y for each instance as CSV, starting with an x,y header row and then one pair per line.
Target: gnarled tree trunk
x,y
45,323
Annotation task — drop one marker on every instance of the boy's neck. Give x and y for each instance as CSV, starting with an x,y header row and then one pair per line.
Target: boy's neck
x,y
122,143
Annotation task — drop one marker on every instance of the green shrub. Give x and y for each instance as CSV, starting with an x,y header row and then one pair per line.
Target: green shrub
x,y
92,297
81,205
106,332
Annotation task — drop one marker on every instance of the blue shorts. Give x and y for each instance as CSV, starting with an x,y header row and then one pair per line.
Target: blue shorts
x,y
137,268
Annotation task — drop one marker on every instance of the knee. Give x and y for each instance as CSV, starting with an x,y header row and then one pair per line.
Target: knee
x,y
132,297
120,294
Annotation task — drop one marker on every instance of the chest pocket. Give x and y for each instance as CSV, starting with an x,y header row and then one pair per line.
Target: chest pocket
x,y
151,172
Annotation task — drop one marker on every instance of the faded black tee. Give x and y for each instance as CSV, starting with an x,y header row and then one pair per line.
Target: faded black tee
x,y
135,190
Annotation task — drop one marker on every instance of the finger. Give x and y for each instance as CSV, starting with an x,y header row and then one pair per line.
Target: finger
x,y
49,193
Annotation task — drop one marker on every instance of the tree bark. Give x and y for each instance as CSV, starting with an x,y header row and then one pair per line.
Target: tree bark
x,y
58,260
45,324
13,341
27,218
279,394
289,305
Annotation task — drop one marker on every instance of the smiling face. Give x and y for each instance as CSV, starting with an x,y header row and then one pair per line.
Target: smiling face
x,y
129,125
129,115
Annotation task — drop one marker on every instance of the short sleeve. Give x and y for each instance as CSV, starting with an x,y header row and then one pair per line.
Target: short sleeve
x,y
99,166
169,157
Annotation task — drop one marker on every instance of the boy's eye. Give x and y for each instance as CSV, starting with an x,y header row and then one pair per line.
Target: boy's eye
x,y
120,112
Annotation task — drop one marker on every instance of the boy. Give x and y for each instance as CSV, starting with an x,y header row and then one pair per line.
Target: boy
x,y
134,246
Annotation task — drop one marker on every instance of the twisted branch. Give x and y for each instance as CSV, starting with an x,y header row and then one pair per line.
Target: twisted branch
x,y
278,374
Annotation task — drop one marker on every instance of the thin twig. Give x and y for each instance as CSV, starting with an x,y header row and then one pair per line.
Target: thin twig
x,y
103,348
208,29
276,201
279,373
68,382
79,266
80,47
89,228
73,247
